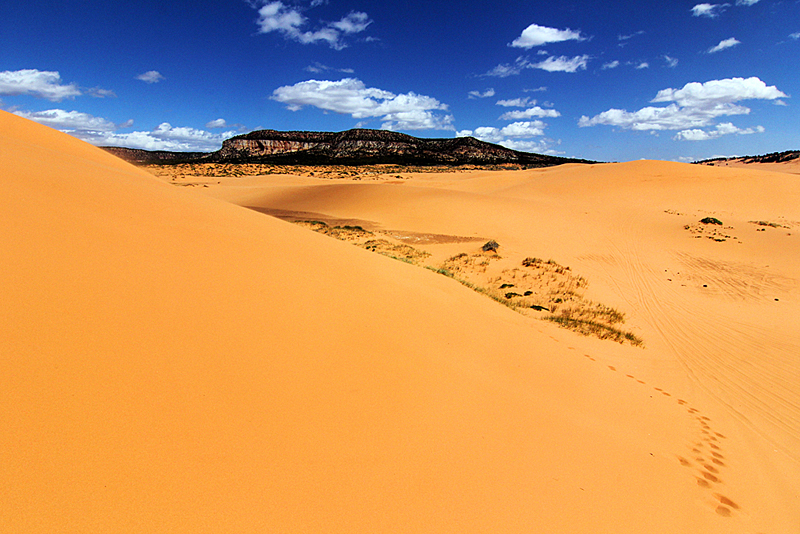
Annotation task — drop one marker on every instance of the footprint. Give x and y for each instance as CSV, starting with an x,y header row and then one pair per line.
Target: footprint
x,y
681,402
658,389
630,376
713,446
684,462
717,455
719,435
665,394
641,381
726,501
612,367
724,512
718,461
703,483
710,477
711,469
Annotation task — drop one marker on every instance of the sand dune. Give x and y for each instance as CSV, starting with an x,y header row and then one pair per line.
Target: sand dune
x,y
172,362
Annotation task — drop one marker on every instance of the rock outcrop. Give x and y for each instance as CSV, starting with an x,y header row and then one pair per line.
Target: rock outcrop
x,y
359,146
352,147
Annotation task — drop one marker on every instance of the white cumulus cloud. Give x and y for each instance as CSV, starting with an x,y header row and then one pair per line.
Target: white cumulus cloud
x,y
505,70
355,22
351,96
516,102
291,23
746,2
708,10
491,134
643,65
162,137
725,43
725,128
485,94
103,132
610,65
562,64
216,123
318,68
694,106
516,136
69,120
695,94
535,35
151,76
529,113
38,83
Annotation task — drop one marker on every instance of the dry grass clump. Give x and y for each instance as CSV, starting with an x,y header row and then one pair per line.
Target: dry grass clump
x,y
343,233
541,286
210,170
710,228
597,329
770,224
468,264
535,286
365,239
400,252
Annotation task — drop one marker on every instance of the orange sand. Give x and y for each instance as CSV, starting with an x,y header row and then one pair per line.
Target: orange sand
x,y
172,362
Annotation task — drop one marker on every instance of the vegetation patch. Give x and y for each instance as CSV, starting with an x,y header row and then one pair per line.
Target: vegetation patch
x,y
770,224
343,233
400,252
539,285
596,329
710,228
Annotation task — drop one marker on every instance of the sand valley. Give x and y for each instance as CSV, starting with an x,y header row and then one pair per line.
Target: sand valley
x,y
332,350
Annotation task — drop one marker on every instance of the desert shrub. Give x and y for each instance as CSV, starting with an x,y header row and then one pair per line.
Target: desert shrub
x,y
711,220
351,228
491,246
592,328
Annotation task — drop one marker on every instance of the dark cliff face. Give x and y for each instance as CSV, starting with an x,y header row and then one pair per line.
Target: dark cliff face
x,y
360,146
352,147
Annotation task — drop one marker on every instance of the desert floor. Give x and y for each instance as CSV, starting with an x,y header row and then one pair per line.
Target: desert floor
x,y
174,362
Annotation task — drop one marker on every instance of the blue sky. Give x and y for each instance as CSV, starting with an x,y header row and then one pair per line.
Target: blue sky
x,y
611,81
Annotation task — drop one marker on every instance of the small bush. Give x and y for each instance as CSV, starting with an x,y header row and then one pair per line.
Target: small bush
x,y
711,220
491,246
